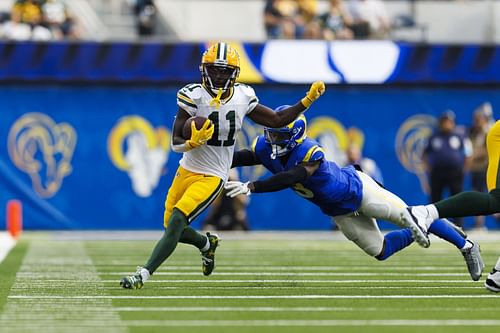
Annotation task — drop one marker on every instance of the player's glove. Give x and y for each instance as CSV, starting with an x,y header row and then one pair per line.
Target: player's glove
x,y
235,188
201,136
317,89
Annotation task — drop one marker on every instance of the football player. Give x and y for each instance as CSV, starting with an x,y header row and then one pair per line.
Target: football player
x,y
208,153
472,203
353,198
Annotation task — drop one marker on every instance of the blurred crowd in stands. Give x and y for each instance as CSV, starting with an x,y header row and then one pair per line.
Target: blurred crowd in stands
x,y
344,19
38,20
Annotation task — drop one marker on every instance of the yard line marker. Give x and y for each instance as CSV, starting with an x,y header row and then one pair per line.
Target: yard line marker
x,y
297,274
54,297
304,287
210,281
58,315
338,322
290,309
7,242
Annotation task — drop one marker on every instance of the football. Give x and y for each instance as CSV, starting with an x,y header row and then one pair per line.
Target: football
x,y
198,121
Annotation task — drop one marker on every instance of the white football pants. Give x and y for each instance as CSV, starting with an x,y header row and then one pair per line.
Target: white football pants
x,y
361,226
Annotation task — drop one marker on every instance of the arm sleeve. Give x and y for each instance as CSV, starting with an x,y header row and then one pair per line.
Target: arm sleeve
x,y
281,180
245,157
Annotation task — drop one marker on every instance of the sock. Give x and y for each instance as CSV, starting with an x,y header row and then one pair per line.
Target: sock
x,y
469,204
468,245
497,266
395,241
145,274
167,244
206,247
443,230
433,212
193,237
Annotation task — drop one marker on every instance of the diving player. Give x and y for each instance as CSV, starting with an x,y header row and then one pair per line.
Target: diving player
x,y
207,155
472,203
350,196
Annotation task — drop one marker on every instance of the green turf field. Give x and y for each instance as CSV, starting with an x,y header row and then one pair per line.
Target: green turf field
x,y
65,283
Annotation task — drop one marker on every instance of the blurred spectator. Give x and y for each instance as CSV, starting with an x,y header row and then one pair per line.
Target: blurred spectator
x,y
307,19
368,165
445,157
278,19
228,213
335,22
38,20
478,162
146,15
370,18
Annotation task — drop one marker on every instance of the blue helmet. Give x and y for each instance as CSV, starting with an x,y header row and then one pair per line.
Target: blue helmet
x,y
283,140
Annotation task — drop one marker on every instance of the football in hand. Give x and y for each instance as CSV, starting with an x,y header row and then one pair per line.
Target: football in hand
x,y
186,130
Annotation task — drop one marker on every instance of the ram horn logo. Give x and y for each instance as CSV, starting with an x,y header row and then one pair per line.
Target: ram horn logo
x,y
42,149
334,138
136,147
411,141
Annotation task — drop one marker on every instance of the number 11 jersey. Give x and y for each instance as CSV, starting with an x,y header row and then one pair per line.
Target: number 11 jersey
x,y
215,157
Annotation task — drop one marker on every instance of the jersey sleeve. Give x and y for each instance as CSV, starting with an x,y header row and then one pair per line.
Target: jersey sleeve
x,y
313,154
259,147
253,100
187,97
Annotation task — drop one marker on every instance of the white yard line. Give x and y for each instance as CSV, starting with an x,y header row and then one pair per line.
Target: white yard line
x,y
295,274
212,281
312,323
85,297
294,309
6,244
30,308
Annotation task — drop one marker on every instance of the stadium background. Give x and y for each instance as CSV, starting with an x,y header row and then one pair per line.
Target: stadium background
x,y
96,107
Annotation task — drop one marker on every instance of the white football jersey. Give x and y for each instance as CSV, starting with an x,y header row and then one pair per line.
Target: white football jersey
x,y
215,157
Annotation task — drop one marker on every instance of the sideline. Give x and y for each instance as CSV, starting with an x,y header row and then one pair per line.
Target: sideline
x,y
7,243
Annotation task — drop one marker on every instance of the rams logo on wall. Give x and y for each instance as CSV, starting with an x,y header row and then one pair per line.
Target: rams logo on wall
x,y
42,149
139,149
334,138
411,140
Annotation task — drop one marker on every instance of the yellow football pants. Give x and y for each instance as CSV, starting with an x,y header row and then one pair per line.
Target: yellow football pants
x,y
493,147
191,193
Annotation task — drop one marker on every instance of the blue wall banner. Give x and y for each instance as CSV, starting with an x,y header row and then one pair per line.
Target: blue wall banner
x,y
86,157
276,61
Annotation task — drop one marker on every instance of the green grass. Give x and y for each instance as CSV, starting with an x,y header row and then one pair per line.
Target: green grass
x,y
8,270
307,269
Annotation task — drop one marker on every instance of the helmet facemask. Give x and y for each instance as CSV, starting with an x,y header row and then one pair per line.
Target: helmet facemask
x,y
218,77
280,141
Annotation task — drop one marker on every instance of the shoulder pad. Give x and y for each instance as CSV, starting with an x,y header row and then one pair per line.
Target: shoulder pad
x,y
188,97
312,152
258,144
249,93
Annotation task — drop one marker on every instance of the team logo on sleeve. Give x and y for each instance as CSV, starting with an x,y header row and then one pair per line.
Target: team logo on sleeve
x,y
137,148
42,149
411,141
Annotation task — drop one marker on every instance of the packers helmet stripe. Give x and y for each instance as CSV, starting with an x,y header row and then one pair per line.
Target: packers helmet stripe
x,y
222,51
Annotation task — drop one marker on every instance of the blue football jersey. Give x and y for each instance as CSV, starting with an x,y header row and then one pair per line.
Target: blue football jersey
x,y
335,190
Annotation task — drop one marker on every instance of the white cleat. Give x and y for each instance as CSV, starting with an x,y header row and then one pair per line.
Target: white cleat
x,y
413,219
492,282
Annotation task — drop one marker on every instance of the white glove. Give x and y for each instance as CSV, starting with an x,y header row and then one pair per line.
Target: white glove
x,y
235,188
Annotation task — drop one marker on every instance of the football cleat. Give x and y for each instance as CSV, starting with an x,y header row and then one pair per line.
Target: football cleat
x,y
132,281
417,224
208,257
474,262
492,282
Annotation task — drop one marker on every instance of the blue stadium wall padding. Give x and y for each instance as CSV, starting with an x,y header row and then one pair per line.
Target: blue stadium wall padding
x,y
276,61
87,157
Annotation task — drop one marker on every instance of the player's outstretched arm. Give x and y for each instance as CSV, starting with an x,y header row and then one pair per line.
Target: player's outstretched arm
x,y
276,182
267,117
245,157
